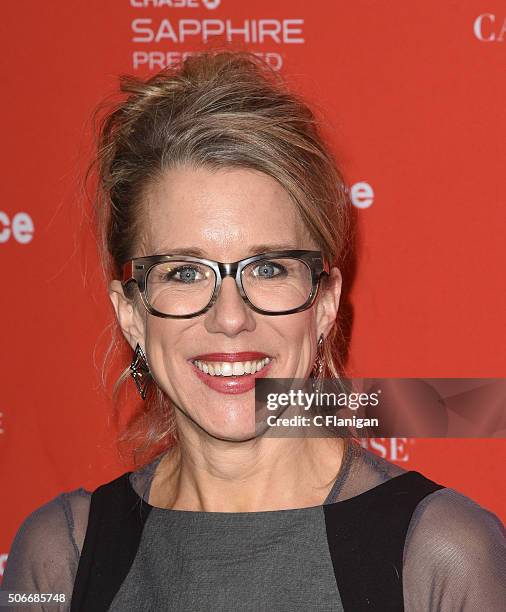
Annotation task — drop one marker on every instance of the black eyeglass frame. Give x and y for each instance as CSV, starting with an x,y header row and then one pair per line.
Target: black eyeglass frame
x,y
137,270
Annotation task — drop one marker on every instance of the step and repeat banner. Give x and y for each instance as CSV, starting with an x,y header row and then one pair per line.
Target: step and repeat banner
x,y
410,96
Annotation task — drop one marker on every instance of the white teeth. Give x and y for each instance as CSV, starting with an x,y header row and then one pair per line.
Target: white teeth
x,y
235,368
226,369
238,369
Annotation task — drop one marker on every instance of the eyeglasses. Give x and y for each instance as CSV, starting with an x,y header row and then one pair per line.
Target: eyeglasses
x,y
182,287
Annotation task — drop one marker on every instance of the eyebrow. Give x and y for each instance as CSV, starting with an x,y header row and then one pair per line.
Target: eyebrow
x,y
253,250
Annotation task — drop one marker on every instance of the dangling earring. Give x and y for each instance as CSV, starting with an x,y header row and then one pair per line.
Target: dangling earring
x,y
140,372
319,366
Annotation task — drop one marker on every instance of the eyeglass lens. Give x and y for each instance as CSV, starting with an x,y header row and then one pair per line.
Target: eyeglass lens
x,y
184,288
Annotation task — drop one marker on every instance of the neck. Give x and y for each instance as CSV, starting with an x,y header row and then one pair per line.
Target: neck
x,y
262,474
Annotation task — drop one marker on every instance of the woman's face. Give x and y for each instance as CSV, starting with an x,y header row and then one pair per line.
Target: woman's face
x,y
224,215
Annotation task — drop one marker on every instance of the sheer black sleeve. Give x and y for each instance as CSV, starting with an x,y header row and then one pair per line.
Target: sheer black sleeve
x,y
454,556
45,552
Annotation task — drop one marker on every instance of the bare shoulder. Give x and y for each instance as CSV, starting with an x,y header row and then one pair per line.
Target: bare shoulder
x,y
47,546
455,555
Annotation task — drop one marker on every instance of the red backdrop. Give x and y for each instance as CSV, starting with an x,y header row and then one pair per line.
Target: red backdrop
x,y
413,99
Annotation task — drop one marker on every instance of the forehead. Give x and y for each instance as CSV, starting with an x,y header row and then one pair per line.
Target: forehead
x,y
221,212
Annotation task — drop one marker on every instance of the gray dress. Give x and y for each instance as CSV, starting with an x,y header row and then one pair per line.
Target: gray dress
x,y
454,553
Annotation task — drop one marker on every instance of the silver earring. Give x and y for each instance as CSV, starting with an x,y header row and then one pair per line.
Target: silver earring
x,y
140,372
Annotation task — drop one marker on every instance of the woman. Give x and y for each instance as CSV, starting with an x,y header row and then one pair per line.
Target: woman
x,y
224,221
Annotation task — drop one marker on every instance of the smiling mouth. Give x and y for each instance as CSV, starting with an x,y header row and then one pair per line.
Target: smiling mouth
x,y
231,368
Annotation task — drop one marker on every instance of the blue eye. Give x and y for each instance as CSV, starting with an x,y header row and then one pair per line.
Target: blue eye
x,y
184,274
268,269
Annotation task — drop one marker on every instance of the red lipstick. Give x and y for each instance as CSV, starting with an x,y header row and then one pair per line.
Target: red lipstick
x,y
231,384
244,356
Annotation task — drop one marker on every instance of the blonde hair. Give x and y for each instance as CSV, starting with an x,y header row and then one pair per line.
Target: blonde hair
x,y
217,109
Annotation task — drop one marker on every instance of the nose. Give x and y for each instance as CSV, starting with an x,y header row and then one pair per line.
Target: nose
x,y
229,314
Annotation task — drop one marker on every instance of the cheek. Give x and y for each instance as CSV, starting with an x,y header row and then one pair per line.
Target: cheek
x,y
162,339
299,334
300,327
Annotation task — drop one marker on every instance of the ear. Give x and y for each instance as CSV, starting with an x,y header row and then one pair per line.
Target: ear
x,y
328,302
129,318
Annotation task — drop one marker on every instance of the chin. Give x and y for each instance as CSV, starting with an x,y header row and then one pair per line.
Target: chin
x,y
235,436
236,427
233,433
